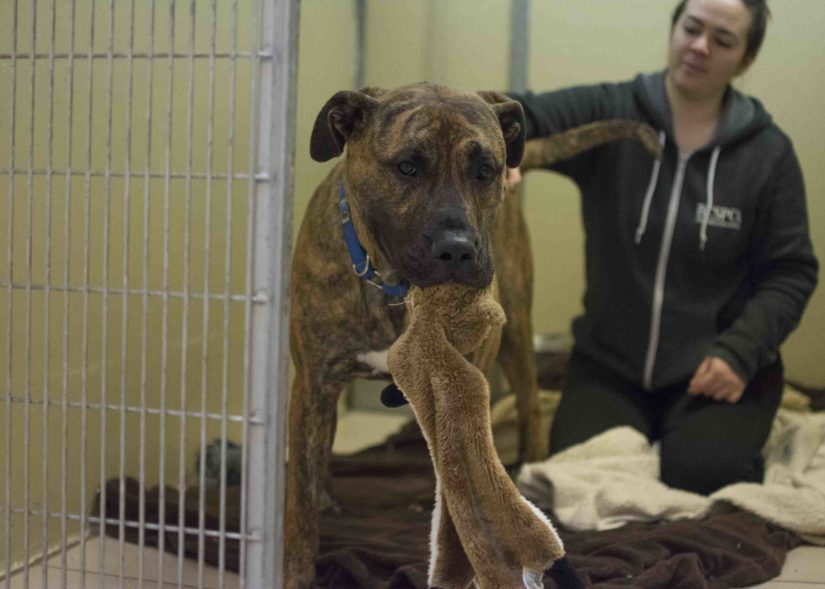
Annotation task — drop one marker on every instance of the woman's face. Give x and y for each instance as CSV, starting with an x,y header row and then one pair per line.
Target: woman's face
x,y
707,46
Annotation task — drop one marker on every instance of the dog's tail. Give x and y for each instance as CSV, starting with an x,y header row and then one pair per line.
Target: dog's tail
x,y
544,152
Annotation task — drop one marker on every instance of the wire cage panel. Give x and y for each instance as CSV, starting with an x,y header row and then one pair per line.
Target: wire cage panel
x,y
145,168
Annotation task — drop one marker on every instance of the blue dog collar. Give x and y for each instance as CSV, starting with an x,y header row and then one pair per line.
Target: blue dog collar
x,y
360,259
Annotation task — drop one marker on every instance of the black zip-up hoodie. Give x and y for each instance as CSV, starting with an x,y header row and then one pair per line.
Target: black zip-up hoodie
x,y
693,255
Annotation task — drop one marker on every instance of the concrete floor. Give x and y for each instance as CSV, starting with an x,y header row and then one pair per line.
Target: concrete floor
x,y
95,579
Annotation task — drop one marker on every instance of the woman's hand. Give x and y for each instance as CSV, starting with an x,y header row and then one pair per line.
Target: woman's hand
x,y
716,379
513,177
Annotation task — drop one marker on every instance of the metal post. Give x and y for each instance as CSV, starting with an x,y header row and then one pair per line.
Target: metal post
x,y
9,296
272,231
230,167
359,74
519,44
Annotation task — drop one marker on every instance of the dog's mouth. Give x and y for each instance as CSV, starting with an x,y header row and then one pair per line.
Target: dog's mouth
x,y
478,279
443,250
452,258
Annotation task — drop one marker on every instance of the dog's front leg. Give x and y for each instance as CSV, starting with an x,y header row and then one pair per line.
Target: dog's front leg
x,y
519,367
311,431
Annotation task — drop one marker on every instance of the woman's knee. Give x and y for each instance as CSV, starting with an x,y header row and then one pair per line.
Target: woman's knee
x,y
583,415
595,400
707,470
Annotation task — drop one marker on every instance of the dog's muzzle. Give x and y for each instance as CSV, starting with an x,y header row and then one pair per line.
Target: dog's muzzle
x,y
452,255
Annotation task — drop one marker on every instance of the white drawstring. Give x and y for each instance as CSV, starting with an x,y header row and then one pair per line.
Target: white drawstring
x,y
654,176
703,234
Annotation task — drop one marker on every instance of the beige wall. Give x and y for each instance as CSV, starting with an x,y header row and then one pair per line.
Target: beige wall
x,y
325,65
465,43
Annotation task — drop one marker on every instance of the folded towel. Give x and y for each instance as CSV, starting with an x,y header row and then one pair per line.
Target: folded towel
x,y
613,479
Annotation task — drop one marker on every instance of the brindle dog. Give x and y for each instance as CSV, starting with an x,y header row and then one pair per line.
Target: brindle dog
x,y
424,180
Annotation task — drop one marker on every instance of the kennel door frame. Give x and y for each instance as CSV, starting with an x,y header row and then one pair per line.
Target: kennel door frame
x,y
264,561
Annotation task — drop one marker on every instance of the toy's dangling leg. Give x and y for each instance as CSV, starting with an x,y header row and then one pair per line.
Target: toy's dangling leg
x,y
449,566
508,541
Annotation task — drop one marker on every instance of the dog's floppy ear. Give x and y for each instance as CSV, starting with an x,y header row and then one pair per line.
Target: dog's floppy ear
x,y
373,91
342,114
511,116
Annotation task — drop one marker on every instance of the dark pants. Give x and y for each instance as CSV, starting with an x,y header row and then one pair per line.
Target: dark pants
x,y
705,444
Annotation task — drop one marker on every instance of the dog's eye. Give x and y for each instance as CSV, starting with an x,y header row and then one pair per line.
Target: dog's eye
x,y
485,172
407,168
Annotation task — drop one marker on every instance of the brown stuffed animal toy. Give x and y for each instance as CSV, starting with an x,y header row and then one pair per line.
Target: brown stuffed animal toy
x,y
482,529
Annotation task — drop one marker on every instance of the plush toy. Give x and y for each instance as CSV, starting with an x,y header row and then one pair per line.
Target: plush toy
x,y
482,528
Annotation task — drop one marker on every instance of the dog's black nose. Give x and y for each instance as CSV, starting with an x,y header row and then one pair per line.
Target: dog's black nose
x,y
454,249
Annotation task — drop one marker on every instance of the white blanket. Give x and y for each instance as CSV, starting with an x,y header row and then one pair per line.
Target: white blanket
x,y
613,479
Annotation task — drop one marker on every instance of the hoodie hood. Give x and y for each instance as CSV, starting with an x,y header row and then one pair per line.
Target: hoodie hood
x,y
742,116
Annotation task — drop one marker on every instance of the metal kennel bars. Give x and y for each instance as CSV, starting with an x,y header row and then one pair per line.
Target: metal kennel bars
x,y
144,247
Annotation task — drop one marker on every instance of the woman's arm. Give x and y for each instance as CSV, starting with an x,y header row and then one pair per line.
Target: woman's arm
x,y
784,274
551,112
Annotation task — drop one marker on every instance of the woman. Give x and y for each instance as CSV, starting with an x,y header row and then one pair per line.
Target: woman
x,y
698,265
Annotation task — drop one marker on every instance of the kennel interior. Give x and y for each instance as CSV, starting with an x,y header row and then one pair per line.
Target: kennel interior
x,y
145,163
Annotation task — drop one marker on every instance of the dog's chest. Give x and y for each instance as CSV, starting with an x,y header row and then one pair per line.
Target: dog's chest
x,y
374,362
380,326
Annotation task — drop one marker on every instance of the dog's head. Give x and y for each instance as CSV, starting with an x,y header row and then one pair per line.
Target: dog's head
x,y
425,172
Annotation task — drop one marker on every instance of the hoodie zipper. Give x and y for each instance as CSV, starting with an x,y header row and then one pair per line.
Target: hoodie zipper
x,y
661,270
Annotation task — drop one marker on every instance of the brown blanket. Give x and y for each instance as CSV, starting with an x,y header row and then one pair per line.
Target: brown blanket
x,y
378,535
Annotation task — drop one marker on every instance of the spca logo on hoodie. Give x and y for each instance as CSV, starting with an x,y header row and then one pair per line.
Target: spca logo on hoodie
x,y
727,217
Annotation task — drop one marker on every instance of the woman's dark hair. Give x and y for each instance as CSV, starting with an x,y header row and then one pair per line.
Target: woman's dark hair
x,y
760,13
